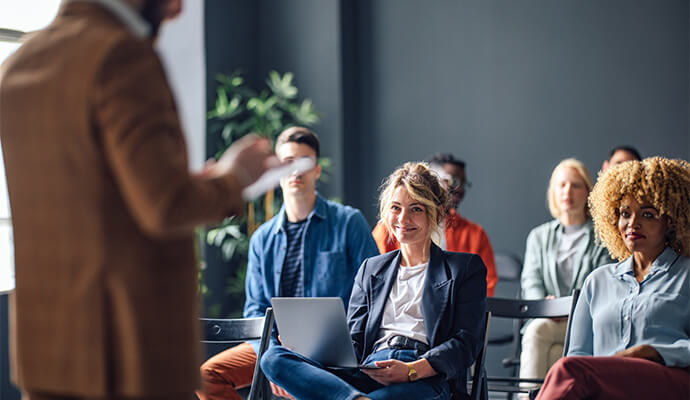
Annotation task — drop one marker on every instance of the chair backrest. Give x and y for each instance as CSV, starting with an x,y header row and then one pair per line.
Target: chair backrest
x,y
566,343
262,390
561,307
231,330
519,308
240,330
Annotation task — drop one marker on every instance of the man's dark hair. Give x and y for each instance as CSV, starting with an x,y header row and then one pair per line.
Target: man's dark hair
x,y
446,158
628,149
299,134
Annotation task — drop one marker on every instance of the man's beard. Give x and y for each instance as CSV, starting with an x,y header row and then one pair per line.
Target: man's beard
x,y
153,12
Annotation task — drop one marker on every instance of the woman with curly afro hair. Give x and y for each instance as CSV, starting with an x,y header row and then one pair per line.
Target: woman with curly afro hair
x,y
634,316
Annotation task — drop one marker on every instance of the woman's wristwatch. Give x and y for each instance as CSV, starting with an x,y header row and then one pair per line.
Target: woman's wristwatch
x,y
412,373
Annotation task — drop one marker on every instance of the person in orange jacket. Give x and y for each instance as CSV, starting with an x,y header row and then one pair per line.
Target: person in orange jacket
x,y
462,235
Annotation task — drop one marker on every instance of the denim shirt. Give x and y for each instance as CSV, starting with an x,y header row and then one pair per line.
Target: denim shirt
x,y
615,312
337,239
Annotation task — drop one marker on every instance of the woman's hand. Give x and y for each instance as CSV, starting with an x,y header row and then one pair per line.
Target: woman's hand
x,y
645,351
391,371
395,371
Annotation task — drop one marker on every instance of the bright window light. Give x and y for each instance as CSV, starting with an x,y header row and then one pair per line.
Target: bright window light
x,y
27,15
6,49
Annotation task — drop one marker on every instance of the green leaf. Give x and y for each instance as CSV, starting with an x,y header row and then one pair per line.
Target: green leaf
x,y
211,236
281,86
228,249
306,114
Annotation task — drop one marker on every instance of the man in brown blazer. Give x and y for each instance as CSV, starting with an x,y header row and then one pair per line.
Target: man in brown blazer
x,y
104,208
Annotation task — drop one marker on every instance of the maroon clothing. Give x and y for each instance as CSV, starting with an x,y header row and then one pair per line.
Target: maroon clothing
x,y
614,378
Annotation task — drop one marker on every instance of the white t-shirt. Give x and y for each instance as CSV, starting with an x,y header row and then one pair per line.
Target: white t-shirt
x,y
402,314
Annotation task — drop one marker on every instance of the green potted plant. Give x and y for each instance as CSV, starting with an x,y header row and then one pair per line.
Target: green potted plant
x,y
238,111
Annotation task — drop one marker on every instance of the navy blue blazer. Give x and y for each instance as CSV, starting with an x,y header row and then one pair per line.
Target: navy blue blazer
x,y
453,306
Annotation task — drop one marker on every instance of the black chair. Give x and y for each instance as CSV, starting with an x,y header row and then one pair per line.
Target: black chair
x,y
504,335
525,309
478,381
238,331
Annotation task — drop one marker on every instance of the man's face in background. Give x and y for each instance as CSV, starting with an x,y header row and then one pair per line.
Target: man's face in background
x,y
454,178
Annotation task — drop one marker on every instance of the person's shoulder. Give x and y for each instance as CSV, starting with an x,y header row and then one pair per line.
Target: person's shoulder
x,y
84,36
603,273
543,229
373,265
266,229
95,18
459,260
91,24
471,225
340,211
547,226
339,207
382,258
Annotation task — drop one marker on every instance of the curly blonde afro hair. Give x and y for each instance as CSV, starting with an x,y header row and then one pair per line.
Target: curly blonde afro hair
x,y
663,182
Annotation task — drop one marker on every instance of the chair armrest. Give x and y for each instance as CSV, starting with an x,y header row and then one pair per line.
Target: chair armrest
x,y
510,362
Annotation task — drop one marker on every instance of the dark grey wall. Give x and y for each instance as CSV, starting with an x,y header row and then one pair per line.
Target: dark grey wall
x,y
511,87
299,36
514,87
302,36
231,44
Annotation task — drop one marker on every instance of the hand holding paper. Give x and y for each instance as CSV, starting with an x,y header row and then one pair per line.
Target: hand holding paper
x,y
271,178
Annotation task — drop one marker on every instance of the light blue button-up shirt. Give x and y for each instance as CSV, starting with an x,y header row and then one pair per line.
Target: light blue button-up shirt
x,y
615,312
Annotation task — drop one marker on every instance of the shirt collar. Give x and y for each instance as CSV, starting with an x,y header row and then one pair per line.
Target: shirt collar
x,y
662,263
125,13
319,211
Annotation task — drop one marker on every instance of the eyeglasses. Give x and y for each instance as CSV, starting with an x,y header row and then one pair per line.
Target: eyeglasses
x,y
454,183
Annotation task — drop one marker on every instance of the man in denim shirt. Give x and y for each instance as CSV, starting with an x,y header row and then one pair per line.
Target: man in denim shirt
x,y
312,248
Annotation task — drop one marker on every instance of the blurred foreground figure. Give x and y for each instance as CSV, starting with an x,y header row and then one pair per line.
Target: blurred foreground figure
x,y
104,208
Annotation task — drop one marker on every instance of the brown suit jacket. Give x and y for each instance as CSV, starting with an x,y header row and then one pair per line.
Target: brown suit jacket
x,y
103,209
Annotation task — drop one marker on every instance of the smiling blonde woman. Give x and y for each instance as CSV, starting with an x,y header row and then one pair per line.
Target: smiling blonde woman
x,y
415,313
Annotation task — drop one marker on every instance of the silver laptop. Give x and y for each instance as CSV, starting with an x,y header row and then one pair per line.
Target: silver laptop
x,y
316,327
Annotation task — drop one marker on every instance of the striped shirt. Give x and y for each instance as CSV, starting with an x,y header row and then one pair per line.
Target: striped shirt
x,y
292,277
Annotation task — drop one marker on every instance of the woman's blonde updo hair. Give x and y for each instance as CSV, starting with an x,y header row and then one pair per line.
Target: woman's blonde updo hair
x,y
578,166
663,182
424,186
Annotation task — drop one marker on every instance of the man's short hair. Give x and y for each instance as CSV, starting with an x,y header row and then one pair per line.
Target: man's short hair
x,y
299,134
628,149
446,158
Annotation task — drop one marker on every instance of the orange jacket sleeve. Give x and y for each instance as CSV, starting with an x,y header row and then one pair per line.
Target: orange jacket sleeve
x,y
487,254
383,240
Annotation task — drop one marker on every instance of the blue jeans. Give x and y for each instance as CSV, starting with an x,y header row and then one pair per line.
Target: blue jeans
x,y
306,379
